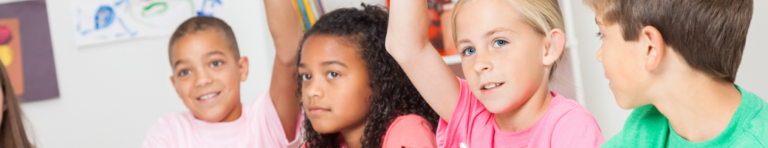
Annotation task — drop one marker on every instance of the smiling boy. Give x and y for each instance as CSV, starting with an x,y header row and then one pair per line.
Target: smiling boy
x,y
207,72
674,62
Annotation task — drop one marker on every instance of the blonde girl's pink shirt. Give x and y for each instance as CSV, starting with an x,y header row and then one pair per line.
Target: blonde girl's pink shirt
x,y
258,127
565,124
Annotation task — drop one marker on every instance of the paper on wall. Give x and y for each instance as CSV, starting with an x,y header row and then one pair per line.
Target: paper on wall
x,y
102,21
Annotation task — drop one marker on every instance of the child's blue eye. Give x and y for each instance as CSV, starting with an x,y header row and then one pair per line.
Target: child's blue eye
x,y
216,63
332,75
184,72
499,43
305,77
469,51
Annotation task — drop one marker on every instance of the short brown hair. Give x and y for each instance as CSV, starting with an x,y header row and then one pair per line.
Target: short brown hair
x,y
709,34
203,23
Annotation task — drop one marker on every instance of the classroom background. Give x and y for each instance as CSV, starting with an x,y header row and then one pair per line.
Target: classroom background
x,y
110,93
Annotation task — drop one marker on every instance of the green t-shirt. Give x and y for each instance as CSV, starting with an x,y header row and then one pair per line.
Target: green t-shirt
x,y
647,127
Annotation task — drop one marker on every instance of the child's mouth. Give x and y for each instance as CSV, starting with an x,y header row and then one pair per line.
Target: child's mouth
x,y
208,97
315,110
491,86
488,88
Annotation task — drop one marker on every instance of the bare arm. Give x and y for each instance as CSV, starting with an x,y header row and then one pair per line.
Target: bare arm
x,y
408,43
286,32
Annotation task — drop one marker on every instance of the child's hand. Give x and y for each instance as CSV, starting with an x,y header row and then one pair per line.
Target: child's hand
x,y
408,25
408,43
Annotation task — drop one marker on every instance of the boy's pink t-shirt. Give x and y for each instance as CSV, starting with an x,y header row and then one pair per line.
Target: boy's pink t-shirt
x,y
258,126
411,131
565,124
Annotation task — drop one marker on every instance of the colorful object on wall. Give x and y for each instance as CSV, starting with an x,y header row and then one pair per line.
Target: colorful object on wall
x,y
10,54
439,15
26,51
308,11
102,21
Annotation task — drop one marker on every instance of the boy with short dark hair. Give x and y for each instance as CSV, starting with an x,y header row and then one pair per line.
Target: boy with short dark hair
x,y
675,63
207,72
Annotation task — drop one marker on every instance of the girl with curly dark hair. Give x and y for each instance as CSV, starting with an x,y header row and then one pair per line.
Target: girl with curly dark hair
x,y
354,94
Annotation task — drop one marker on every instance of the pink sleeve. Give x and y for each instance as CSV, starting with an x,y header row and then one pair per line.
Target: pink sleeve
x,y
410,131
268,122
158,135
467,109
577,129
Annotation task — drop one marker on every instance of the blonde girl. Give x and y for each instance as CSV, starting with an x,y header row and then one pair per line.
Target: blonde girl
x,y
508,50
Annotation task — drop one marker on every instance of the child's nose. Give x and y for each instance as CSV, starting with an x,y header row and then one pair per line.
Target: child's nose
x,y
482,63
203,79
599,55
314,90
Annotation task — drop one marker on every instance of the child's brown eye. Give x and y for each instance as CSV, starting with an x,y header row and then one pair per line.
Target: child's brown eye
x,y
216,63
332,75
305,77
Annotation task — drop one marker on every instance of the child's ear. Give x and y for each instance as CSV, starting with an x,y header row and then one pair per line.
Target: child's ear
x,y
173,81
554,49
655,48
243,65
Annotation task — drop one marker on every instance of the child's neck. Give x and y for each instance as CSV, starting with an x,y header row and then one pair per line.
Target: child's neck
x,y
352,136
528,113
235,114
698,106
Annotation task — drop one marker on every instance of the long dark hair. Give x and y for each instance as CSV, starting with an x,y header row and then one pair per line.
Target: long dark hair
x,y
392,95
12,128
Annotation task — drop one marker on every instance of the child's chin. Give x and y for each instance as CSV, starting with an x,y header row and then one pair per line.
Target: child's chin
x,y
497,107
209,115
324,129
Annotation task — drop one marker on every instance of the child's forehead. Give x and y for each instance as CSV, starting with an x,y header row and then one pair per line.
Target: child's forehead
x,y
200,44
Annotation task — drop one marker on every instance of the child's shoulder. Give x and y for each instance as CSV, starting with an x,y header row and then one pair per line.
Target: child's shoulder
x,y
645,127
182,116
566,107
409,131
407,121
757,125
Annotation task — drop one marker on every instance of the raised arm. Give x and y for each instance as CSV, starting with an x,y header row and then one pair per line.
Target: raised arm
x,y
286,32
408,43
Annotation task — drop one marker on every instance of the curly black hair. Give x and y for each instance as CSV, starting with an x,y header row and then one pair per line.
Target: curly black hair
x,y
392,95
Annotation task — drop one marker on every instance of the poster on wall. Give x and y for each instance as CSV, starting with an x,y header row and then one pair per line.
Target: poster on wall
x,y
26,51
103,21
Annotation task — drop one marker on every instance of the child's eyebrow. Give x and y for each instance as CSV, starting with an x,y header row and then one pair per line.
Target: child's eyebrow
x,y
214,53
598,22
177,63
326,63
497,30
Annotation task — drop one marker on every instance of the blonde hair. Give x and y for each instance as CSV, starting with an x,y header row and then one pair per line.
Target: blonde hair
x,y
541,15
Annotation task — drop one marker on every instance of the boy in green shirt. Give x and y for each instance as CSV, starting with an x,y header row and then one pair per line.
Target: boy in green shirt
x,y
675,63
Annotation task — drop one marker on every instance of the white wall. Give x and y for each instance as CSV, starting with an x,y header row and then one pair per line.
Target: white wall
x,y
753,73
